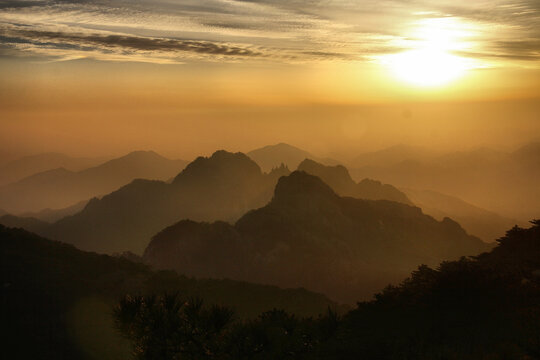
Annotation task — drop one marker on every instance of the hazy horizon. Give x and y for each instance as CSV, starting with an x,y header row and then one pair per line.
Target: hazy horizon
x,y
343,132
337,78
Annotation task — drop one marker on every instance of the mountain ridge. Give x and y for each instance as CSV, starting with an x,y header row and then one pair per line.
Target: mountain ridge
x,y
503,182
340,180
221,187
271,156
28,165
60,188
309,236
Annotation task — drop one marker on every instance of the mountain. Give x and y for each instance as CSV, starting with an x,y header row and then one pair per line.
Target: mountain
x,y
53,215
57,301
505,183
392,156
28,223
30,165
272,156
309,236
221,187
484,307
487,307
485,224
341,182
60,188
529,153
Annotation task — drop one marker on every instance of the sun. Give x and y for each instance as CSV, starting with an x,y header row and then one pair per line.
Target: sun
x,y
431,60
427,67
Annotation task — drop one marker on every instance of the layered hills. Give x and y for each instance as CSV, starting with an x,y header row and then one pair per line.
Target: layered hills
x,y
59,187
29,165
339,179
485,224
309,236
502,182
223,186
57,301
272,156
484,307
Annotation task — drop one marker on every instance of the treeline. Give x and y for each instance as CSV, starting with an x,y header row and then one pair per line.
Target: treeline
x,y
56,300
484,307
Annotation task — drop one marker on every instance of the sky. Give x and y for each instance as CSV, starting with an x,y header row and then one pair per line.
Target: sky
x,y
336,76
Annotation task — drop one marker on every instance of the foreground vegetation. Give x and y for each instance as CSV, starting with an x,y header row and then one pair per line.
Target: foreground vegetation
x,y
57,300
484,307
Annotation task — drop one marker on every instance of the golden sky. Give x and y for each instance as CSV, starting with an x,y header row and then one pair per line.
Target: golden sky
x,y
70,67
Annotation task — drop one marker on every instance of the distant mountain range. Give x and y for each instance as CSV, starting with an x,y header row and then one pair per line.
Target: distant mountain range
x,y
485,224
476,221
271,156
53,215
57,301
41,221
338,178
28,223
393,155
505,183
29,165
60,187
221,187
309,236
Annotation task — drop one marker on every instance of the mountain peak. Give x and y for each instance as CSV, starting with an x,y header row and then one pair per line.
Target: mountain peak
x,y
271,156
336,176
142,154
280,146
134,158
222,164
300,187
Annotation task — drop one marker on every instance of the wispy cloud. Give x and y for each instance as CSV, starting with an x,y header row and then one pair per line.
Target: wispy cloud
x,y
259,30
117,44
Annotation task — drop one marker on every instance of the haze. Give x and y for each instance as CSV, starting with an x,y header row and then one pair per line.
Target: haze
x,y
338,77
270,179
343,132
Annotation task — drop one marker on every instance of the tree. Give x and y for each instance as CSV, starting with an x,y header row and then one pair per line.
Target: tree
x,y
167,327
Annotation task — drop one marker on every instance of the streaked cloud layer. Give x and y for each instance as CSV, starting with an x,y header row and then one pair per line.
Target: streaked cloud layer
x,y
489,32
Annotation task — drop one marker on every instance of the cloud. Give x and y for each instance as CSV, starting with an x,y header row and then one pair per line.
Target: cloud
x,y
266,30
132,43
522,50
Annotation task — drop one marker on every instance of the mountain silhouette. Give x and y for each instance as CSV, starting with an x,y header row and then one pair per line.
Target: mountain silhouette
x,y
340,180
309,236
221,187
503,182
485,224
481,307
28,223
53,215
271,156
29,165
60,188
393,155
57,300
476,308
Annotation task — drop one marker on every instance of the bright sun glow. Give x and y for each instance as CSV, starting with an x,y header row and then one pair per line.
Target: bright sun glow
x,y
431,61
427,67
